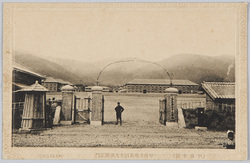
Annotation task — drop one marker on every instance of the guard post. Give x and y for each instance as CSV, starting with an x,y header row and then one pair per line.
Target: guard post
x,y
33,117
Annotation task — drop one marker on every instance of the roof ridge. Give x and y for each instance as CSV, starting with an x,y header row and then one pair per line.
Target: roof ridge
x,y
21,67
158,79
162,81
27,67
219,89
219,83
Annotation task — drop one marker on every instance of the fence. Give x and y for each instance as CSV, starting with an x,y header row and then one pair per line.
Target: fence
x,y
162,111
17,112
82,110
221,107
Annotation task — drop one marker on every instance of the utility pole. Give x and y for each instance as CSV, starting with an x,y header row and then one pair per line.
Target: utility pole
x,y
171,79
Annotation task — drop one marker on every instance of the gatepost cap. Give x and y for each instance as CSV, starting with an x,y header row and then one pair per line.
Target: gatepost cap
x,y
171,90
67,88
96,88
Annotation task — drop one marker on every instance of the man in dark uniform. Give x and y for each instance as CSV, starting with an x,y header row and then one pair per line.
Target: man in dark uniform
x,y
119,109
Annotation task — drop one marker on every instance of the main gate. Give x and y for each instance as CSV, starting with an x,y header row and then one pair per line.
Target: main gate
x,y
82,110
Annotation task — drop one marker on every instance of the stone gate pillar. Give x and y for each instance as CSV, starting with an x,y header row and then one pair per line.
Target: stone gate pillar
x,y
172,111
96,113
67,105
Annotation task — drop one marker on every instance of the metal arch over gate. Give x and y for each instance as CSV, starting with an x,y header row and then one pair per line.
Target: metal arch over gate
x,y
134,60
122,61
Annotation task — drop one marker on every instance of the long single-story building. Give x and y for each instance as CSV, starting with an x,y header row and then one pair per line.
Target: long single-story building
x,y
159,85
22,77
219,95
104,89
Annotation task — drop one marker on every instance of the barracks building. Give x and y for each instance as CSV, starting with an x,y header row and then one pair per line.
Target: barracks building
x,y
159,85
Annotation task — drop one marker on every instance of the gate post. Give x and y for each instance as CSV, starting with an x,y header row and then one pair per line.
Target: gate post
x,y
171,107
96,114
67,104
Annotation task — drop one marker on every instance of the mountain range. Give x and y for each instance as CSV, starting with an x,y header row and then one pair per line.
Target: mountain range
x,y
193,67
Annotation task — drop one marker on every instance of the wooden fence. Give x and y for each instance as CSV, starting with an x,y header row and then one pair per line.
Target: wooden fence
x,y
162,111
82,110
17,112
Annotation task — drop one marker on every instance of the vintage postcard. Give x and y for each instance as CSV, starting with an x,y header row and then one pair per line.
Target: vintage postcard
x,y
158,81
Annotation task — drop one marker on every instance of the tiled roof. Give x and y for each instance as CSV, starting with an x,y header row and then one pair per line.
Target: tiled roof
x,y
161,81
67,82
19,84
219,90
61,81
35,88
51,80
24,69
90,87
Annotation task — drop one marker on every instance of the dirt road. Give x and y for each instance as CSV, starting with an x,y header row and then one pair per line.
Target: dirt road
x,y
140,129
110,135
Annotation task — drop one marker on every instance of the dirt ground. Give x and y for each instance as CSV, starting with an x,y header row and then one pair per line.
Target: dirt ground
x,y
140,129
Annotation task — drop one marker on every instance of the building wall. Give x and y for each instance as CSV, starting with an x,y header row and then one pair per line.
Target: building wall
x,y
191,101
51,86
210,103
80,88
60,85
24,78
158,88
220,104
88,89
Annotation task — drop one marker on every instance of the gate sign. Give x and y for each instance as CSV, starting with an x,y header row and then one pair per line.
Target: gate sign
x,y
172,119
172,112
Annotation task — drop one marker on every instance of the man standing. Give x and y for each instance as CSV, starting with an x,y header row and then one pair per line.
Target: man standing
x,y
119,109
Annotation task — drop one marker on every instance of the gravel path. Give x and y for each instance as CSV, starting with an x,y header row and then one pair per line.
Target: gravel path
x,y
140,129
110,135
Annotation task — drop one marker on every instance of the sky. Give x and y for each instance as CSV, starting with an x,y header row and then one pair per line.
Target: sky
x,y
96,35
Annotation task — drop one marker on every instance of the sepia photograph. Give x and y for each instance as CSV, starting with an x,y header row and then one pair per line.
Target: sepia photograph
x,y
125,81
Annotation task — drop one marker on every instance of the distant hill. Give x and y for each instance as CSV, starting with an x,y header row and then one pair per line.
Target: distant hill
x,y
84,70
47,67
196,68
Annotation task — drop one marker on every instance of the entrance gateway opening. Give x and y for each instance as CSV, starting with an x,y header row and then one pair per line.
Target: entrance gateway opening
x,y
98,107
139,108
